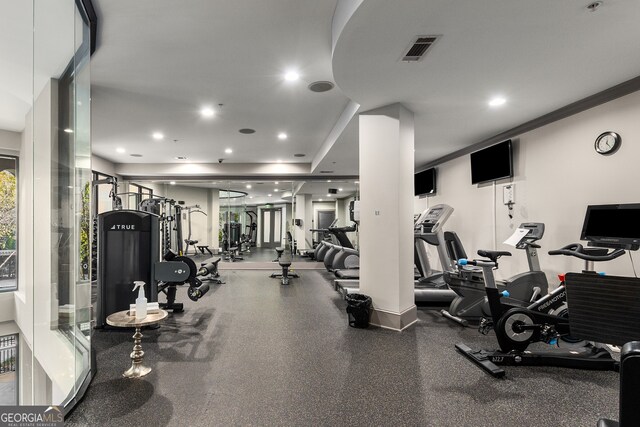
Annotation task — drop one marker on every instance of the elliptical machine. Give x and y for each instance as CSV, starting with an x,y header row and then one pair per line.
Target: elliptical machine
x,y
471,304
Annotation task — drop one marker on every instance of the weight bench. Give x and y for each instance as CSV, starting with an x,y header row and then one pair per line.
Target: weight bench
x,y
232,254
204,248
190,243
279,252
281,249
285,262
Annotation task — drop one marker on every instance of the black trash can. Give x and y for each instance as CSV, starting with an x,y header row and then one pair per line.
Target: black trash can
x,y
358,310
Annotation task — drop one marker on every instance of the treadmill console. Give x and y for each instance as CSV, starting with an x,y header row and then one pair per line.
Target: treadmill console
x,y
432,219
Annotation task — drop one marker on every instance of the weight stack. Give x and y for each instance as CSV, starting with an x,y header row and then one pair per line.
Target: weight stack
x,y
128,246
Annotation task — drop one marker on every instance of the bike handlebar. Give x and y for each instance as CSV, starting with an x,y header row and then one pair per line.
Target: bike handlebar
x,y
578,251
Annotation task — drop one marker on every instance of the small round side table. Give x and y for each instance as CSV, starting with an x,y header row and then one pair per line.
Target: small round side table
x,y
122,319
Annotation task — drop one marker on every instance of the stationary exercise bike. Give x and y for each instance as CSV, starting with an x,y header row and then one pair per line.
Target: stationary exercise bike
x,y
545,320
471,304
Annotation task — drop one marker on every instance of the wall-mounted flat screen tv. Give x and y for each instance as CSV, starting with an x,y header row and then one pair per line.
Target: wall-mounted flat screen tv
x,y
425,182
492,163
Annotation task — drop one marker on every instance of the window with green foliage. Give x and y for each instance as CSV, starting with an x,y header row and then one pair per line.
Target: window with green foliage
x,y
8,223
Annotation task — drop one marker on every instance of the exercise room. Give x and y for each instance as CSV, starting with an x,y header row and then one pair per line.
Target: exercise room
x,y
302,213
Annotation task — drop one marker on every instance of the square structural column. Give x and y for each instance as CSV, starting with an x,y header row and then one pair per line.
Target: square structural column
x,y
386,214
304,212
213,218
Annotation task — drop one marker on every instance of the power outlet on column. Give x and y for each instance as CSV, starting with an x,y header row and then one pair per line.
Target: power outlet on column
x,y
508,194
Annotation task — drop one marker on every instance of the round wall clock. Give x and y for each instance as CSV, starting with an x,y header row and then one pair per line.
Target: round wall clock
x,y
607,143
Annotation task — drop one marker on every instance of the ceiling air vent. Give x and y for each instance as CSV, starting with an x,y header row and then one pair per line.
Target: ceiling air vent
x,y
326,171
419,48
320,86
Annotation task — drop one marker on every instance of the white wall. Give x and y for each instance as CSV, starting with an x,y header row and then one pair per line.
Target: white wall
x,y
193,196
341,213
104,166
204,228
10,140
557,174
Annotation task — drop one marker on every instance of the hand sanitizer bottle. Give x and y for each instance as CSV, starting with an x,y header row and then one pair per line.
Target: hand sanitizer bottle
x,y
141,301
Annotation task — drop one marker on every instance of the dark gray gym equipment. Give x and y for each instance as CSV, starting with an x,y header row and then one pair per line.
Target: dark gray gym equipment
x,y
429,285
471,303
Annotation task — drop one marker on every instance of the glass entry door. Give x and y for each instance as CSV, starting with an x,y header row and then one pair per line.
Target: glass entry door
x,y
271,236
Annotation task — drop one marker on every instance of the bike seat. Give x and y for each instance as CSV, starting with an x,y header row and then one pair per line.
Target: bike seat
x,y
493,255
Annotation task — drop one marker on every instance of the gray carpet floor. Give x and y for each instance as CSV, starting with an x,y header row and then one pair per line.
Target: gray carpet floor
x,y
253,352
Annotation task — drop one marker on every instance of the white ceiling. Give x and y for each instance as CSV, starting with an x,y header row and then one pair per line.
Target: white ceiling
x,y
539,55
159,61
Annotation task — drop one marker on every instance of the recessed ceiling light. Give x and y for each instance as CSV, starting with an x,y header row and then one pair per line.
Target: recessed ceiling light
x,y
251,197
497,101
248,185
158,135
320,199
291,76
268,195
339,189
207,112
120,150
228,151
172,183
328,195
276,190
282,135
276,183
68,130
328,180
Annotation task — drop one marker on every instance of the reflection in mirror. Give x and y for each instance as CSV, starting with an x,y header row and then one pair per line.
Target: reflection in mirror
x,y
245,220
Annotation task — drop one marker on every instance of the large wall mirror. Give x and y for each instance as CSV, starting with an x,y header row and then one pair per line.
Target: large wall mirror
x,y
245,220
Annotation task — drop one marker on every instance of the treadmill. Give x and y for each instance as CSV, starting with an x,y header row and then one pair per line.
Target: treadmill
x,y
429,285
